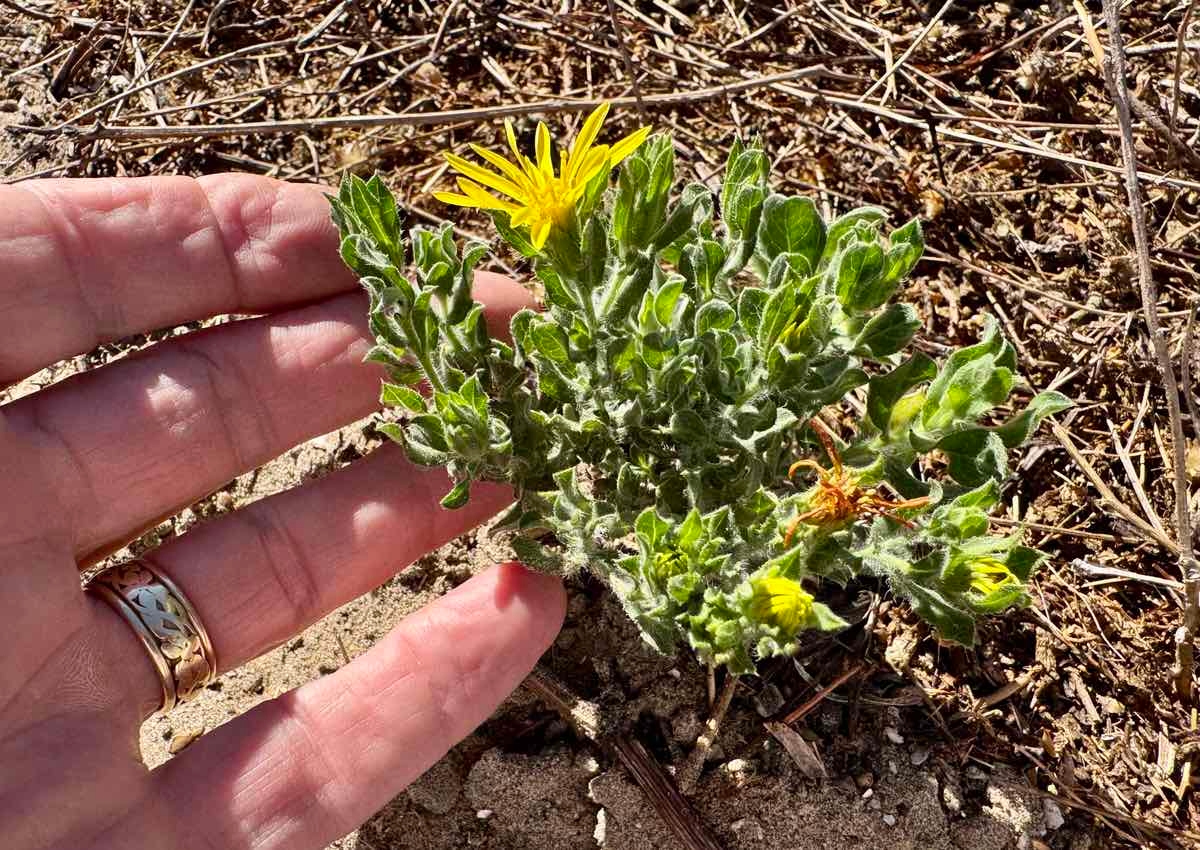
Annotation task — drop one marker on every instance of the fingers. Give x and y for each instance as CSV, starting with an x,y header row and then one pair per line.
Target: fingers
x,y
260,575
128,443
308,767
89,261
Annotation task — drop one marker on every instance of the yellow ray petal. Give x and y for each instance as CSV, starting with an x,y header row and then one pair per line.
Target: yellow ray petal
x,y
511,135
482,199
543,150
596,160
539,234
627,145
511,170
483,176
454,199
587,134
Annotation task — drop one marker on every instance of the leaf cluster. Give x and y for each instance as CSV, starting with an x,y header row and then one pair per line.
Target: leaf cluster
x,y
648,415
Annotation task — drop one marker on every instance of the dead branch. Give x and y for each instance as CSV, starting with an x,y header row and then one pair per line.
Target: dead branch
x,y
1188,566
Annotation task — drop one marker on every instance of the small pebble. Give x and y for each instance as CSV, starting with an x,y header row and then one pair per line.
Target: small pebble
x,y
893,734
484,814
600,833
889,820
748,828
975,773
256,685
919,756
1053,814
768,701
182,741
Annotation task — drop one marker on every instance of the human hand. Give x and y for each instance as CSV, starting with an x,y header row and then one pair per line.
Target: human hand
x,y
92,460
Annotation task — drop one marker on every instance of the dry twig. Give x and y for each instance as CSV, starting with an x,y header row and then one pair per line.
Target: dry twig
x,y
1188,566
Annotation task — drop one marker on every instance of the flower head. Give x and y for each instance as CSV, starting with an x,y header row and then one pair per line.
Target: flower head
x,y
531,192
781,602
838,497
989,575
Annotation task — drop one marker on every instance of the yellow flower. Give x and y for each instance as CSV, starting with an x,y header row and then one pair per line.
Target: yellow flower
x,y
989,575
668,564
533,195
781,602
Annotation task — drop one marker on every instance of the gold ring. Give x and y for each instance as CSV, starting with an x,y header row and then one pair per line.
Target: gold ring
x,y
165,622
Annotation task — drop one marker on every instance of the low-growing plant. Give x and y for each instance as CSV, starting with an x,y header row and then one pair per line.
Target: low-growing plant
x,y
662,419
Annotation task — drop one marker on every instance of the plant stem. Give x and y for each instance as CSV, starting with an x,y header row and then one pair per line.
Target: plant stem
x,y
689,774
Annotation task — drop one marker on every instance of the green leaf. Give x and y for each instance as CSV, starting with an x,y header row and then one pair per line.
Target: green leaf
x,y
398,396
745,167
700,263
907,244
952,623
1017,430
858,272
689,428
975,455
458,496
842,225
643,186
825,619
557,292
391,430
695,205
752,303
791,226
888,331
688,534
534,555
550,341
425,441
665,300
472,393
595,254
651,530
715,314
972,381
886,390
783,307
517,239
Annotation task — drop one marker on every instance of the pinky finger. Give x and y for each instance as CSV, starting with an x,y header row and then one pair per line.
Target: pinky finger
x,y
310,766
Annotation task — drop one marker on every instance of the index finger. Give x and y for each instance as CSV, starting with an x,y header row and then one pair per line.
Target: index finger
x,y
89,261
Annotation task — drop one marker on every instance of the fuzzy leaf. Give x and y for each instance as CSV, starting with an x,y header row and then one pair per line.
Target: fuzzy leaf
x,y
793,227
888,331
885,390
398,396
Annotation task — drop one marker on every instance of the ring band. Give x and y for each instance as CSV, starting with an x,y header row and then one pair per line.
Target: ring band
x,y
165,622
